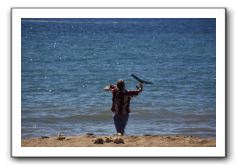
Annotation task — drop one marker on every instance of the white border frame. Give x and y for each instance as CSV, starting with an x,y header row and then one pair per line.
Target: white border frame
x,y
218,151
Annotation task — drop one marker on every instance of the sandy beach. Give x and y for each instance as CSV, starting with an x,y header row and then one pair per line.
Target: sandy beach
x,y
91,140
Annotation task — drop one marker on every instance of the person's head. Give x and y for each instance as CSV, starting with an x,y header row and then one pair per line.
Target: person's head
x,y
120,84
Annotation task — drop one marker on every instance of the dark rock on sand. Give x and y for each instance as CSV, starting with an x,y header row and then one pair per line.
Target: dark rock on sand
x,y
119,141
108,139
99,141
61,136
147,135
44,137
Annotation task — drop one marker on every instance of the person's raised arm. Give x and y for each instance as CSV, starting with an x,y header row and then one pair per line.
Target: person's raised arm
x,y
136,92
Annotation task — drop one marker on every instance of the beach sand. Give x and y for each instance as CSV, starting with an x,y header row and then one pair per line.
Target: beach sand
x,y
120,141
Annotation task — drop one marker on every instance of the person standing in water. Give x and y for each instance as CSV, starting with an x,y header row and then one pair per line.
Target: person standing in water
x,y
121,104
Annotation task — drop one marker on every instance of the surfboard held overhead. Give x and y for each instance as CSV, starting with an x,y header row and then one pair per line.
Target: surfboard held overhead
x,y
140,80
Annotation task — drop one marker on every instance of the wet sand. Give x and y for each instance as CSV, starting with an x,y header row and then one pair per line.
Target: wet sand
x,y
120,141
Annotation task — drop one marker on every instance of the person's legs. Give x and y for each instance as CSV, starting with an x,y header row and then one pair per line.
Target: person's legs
x,y
124,122
117,123
120,122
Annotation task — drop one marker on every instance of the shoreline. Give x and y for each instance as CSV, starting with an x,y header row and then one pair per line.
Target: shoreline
x,y
91,140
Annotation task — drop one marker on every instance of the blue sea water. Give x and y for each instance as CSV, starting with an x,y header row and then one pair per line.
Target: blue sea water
x,y
66,63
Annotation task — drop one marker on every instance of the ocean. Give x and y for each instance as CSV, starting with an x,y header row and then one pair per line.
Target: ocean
x,y
66,63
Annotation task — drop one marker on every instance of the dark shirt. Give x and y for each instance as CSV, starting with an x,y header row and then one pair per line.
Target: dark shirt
x,y
121,100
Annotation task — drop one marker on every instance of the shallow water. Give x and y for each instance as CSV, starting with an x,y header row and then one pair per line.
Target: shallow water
x,y
67,62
